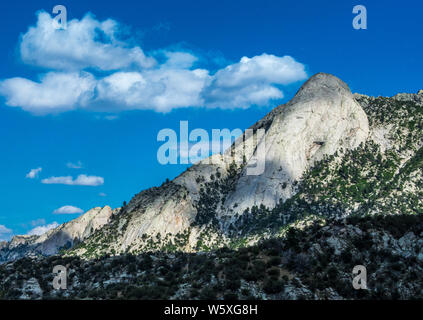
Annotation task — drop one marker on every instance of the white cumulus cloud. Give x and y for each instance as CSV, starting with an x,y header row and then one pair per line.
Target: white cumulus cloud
x,y
68,210
33,173
253,81
85,43
162,81
265,68
81,180
55,92
42,229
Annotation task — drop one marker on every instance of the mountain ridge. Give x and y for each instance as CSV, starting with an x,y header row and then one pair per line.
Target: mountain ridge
x,y
199,209
54,240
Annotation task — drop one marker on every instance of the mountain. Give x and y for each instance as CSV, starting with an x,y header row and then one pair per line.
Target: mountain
x,y
342,186
326,153
57,239
202,206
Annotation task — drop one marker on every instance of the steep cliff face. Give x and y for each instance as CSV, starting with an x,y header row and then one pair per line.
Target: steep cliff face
x,y
62,237
321,119
202,203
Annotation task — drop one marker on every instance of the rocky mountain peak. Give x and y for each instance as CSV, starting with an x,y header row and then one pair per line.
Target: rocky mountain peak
x,y
321,119
321,86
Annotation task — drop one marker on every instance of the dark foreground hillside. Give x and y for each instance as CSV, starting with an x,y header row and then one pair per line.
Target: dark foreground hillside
x,y
313,263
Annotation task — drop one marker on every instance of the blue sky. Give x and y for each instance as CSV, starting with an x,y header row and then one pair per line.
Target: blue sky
x,y
96,94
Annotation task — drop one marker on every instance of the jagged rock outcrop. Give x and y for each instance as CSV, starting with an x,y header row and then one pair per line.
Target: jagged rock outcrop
x,y
61,237
417,98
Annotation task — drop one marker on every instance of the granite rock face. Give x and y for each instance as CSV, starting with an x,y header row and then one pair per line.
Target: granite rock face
x,y
321,119
63,236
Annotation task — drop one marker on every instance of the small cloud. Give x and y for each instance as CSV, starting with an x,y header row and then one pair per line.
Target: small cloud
x,y
81,180
38,222
42,229
72,165
68,210
102,194
5,233
34,173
